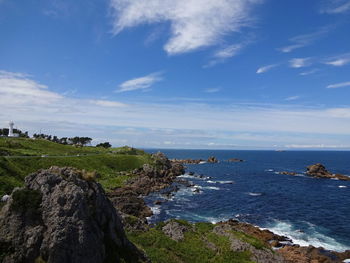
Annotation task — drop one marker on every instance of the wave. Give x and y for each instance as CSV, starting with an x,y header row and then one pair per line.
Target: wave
x,y
255,194
220,182
311,236
342,186
211,187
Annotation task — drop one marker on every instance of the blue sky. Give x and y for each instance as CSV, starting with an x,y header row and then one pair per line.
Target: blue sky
x,y
235,74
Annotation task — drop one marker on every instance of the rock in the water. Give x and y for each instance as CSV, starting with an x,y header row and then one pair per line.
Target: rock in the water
x,y
61,217
212,159
319,171
235,160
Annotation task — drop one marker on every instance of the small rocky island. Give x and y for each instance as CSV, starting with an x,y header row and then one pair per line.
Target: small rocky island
x,y
319,171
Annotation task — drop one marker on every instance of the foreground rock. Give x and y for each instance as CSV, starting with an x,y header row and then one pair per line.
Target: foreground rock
x,y
319,171
62,215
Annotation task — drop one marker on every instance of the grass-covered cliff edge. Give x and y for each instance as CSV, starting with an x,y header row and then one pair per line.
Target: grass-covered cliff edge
x,y
22,156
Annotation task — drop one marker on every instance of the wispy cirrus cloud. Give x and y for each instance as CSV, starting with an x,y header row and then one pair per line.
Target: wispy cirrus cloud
x,y
194,23
265,69
108,103
141,83
339,85
292,98
221,55
304,40
338,61
300,62
309,72
212,90
18,87
336,6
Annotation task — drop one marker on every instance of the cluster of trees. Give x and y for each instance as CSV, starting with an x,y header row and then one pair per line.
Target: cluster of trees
x,y
65,140
104,145
5,132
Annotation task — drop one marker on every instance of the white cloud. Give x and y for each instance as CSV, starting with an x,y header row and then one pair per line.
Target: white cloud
x,y
336,6
212,90
229,51
338,61
309,72
225,53
18,89
339,85
108,103
187,124
292,98
141,83
194,23
265,69
304,40
300,62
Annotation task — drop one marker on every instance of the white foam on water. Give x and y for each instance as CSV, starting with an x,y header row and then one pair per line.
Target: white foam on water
x,y
269,170
211,182
346,260
342,186
255,194
211,188
301,238
202,162
186,176
155,209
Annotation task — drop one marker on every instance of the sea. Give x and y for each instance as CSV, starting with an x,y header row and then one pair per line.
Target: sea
x,y
309,211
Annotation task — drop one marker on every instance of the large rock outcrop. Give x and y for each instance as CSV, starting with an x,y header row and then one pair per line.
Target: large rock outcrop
x,y
150,178
62,215
319,171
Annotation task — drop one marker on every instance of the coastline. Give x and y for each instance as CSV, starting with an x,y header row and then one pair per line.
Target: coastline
x,y
281,242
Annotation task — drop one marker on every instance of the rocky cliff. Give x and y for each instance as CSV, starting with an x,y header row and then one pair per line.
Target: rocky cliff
x,y
62,215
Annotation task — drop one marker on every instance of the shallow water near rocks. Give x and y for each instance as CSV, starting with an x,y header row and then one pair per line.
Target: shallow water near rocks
x,y
309,211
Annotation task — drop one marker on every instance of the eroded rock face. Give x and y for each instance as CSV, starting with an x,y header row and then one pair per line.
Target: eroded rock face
x,y
148,179
60,217
319,171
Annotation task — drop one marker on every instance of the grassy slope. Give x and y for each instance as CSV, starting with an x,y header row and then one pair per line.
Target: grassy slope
x,y
193,249
107,162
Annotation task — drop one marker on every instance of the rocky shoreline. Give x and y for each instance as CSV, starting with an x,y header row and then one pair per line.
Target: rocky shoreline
x,y
29,230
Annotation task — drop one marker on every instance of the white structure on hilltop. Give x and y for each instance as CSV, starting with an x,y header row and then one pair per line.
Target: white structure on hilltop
x,y
11,124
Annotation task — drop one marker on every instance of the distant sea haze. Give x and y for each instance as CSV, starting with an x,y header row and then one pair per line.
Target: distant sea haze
x,y
310,211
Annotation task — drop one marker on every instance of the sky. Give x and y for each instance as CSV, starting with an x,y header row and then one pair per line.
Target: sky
x,y
206,74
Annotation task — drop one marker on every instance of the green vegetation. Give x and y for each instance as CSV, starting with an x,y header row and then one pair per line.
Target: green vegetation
x,y
258,244
26,156
194,248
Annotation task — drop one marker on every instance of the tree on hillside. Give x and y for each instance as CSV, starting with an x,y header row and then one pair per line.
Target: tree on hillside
x,y
104,145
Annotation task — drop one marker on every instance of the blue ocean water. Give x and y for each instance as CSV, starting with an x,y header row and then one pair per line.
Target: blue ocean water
x,y
310,211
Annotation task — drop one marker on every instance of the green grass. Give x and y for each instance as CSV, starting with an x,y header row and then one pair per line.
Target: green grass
x,y
258,244
193,249
108,163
